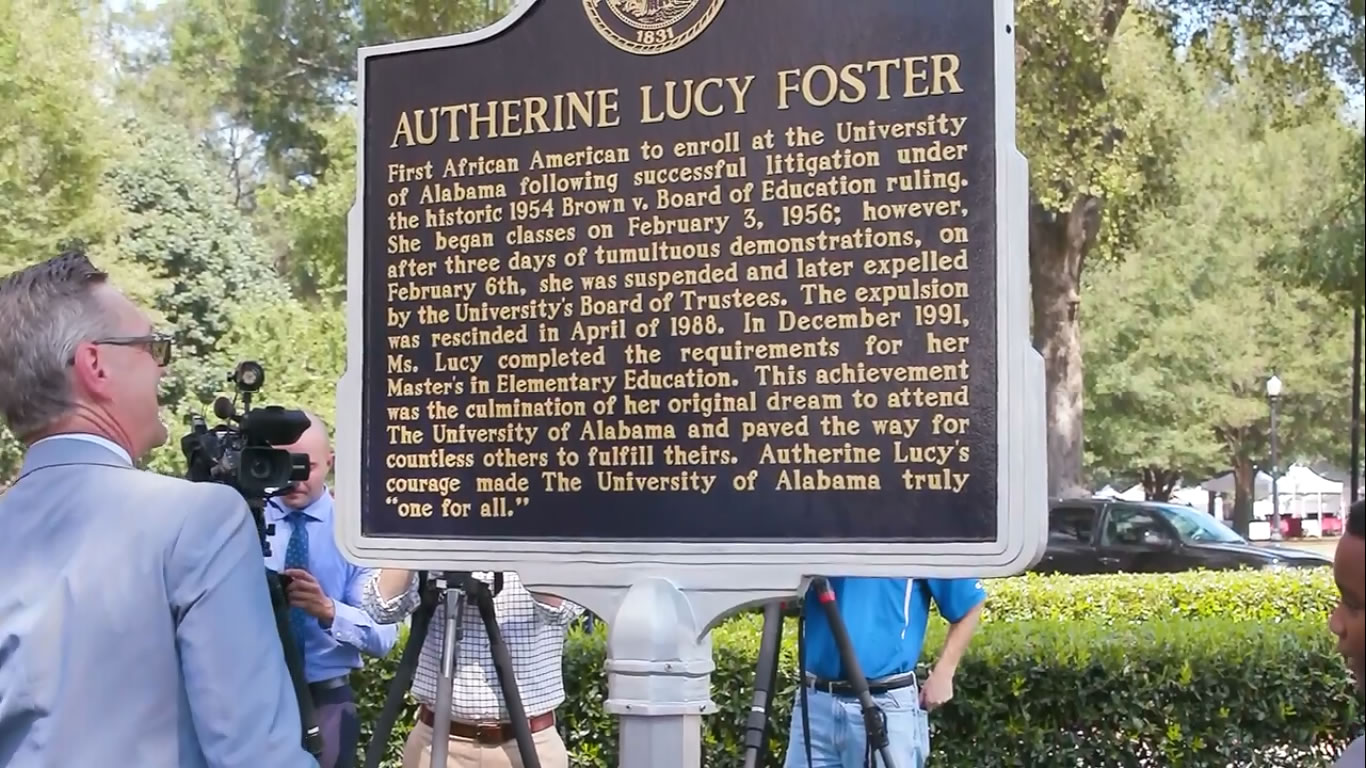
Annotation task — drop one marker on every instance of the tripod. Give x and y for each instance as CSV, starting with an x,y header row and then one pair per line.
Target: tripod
x,y
308,719
453,590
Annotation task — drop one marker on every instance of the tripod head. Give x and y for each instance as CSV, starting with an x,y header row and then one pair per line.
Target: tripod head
x,y
428,583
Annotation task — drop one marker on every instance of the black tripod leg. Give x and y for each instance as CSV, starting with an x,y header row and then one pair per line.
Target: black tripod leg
x,y
502,662
873,718
772,691
454,601
765,680
378,748
308,718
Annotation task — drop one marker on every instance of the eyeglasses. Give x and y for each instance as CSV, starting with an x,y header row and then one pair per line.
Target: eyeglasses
x,y
158,345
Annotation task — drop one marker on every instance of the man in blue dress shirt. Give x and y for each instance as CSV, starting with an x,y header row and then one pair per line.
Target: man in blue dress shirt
x,y
886,620
135,623
325,596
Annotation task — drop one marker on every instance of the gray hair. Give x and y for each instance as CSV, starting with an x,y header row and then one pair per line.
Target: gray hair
x,y
46,310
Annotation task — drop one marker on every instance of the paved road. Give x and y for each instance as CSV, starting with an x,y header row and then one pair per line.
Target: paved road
x,y
1323,546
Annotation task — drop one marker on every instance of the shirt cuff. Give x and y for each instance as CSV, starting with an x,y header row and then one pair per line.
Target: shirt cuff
x,y
560,614
389,610
346,624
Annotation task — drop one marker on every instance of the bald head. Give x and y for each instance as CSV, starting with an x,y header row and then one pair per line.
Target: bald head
x,y
316,443
315,437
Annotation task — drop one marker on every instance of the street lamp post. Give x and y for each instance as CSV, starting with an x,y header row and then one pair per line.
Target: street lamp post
x,y
1273,396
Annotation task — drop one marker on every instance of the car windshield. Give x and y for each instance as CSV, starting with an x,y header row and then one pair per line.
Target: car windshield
x,y
1193,525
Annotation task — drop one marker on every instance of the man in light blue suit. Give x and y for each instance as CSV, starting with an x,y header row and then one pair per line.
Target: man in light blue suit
x,y
135,623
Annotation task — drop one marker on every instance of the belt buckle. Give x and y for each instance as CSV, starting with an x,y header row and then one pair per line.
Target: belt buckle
x,y
824,686
489,732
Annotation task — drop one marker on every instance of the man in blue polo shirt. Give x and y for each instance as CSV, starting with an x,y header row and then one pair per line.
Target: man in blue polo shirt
x,y
886,620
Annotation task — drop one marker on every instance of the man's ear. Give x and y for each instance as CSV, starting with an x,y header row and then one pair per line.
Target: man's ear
x,y
89,369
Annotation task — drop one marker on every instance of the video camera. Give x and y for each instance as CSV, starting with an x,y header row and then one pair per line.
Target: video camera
x,y
243,457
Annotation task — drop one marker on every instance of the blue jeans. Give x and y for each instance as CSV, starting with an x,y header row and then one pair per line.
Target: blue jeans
x,y
839,739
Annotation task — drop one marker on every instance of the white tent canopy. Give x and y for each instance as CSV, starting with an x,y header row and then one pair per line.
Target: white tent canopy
x,y
1224,484
1300,479
1194,496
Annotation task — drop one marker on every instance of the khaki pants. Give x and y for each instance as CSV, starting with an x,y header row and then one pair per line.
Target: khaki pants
x,y
463,753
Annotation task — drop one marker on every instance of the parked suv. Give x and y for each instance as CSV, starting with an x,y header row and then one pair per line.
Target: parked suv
x,y
1112,536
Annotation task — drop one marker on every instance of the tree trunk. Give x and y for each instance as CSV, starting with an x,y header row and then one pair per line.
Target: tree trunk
x,y
1244,491
1158,483
1058,244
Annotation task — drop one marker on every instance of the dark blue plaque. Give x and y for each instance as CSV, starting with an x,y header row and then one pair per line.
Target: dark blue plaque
x,y
693,271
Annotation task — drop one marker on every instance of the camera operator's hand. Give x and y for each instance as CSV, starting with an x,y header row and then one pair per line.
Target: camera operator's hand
x,y
305,592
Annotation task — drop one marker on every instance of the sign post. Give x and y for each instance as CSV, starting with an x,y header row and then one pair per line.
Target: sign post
x,y
668,305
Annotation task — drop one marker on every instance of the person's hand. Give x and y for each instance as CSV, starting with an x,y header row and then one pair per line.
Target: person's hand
x,y
936,692
305,592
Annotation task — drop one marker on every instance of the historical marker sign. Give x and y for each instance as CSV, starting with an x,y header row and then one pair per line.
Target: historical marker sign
x,y
736,285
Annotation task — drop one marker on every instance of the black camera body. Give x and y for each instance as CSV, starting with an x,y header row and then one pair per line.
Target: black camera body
x,y
243,456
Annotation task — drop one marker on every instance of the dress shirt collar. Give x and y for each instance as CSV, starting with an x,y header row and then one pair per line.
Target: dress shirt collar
x,y
89,437
318,510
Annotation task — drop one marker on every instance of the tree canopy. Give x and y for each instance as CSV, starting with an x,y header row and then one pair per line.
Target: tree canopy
x,y
1186,328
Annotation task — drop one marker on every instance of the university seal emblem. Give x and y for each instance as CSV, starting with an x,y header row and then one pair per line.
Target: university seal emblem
x,y
651,26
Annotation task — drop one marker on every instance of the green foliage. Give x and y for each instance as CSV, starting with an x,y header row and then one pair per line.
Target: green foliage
x,y
311,215
1208,692
388,21
1095,105
1173,381
53,135
181,225
1044,693
55,145
1191,669
1324,34
371,687
303,347
1307,594
1328,256
301,67
285,69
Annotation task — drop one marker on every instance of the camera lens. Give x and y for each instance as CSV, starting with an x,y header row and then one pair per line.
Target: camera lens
x,y
260,468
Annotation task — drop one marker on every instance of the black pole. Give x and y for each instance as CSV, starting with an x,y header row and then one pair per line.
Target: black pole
x,y
873,719
765,680
502,663
294,662
1357,340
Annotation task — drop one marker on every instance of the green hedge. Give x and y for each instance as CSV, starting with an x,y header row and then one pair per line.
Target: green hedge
x,y
1060,674
1247,595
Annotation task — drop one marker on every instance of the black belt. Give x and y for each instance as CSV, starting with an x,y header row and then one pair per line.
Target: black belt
x,y
329,684
875,687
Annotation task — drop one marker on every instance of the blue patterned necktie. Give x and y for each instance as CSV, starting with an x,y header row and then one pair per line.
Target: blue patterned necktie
x,y
296,556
